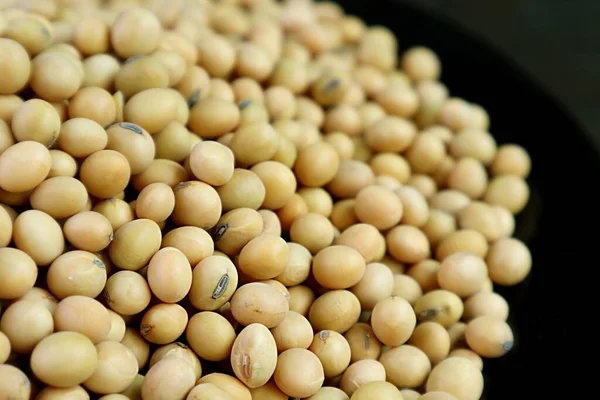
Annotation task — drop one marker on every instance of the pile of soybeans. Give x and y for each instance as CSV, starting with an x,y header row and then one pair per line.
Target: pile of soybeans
x,y
244,200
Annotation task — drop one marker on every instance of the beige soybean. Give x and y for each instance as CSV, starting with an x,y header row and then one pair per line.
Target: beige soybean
x,y
333,351
468,354
171,376
271,223
25,323
254,142
42,296
259,303
163,323
269,391
474,143
18,272
378,206
116,371
313,231
407,244
116,211
463,240
133,142
105,173
393,321
441,306
60,197
294,208
424,185
16,67
211,118
244,189
195,243
173,142
415,207
264,257
140,73
196,204
100,71
457,376
63,164
393,165
143,109
39,235
361,373
509,191
180,350
489,337
117,327
363,237
437,396
135,31
64,359
294,382
55,77
376,284
279,182
36,120
351,177
463,274
456,331
127,292
210,335
93,103
433,339
212,163
134,244
8,106
336,310
509,262
155,202
214,281
84,315
318,200
23,166
439,225
511,159
338,267
160,170
316,164
231,385
80,137
169,275
486,303
469,176
391,134
207,391
342,144
406,366
406,287
247,91
70,393
254,355
235,229
363,342
14,383
298,265
376,389
76,272
343,215
136,343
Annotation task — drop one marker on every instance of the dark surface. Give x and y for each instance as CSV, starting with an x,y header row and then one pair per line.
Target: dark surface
x,y
561,204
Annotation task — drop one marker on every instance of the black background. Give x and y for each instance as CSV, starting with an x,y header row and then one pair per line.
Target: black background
x,y
559,224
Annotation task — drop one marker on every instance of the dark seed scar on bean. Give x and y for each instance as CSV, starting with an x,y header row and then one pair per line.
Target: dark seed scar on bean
x,y
99,263
193,100
145,329
431,313
245,103
332,84
246,365
219,232
367,340
131,127
221,287
182,185
324,335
